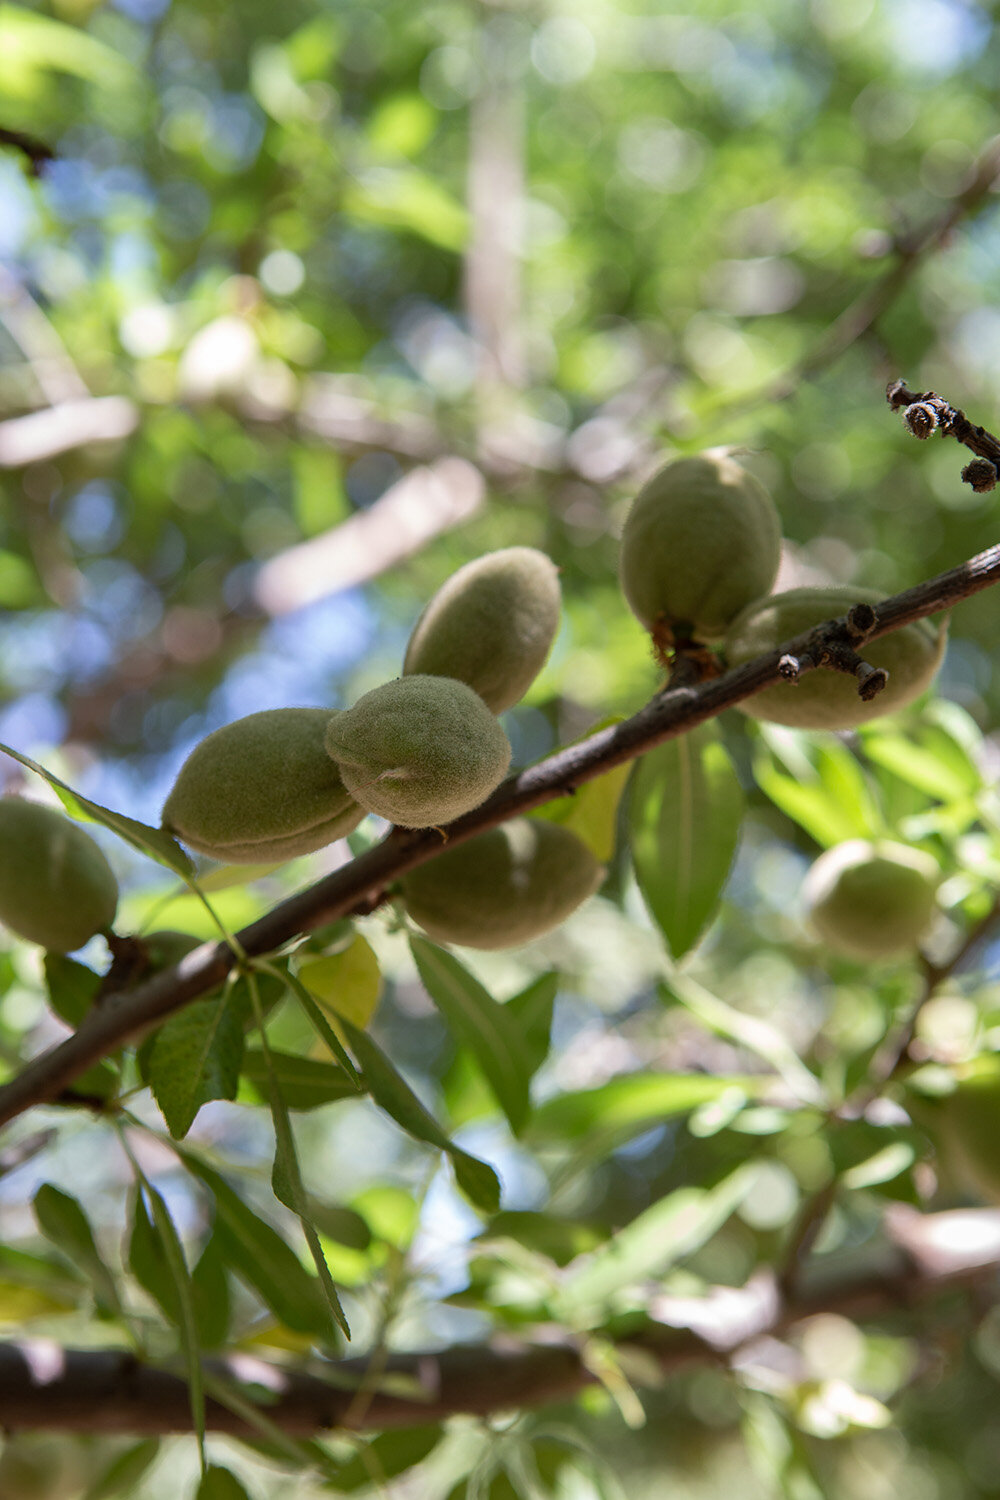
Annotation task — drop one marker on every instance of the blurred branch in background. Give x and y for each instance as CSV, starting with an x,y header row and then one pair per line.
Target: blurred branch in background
x,y
45,434
54,372
919,1257
495,194
428,500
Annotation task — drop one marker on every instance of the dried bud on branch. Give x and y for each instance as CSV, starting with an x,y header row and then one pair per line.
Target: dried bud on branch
x,y
921,419
981,474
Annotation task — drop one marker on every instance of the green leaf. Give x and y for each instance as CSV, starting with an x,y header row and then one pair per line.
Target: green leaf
x,y
149,1264
393,1094
929,760
826,792
305,1082
71,987
212,1302
752,1032
345,1225
63,1221
489,1030
124,1471
219,1484
684,817
30,43
647,1247
388,1455
258,1253
348,982
532,1010
286,1179
617,1111
592,811
177,1269
155,842
406,198
323,1029
196,1057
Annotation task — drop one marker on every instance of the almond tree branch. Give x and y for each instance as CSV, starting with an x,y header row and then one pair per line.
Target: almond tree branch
x,y
355,888
43,1386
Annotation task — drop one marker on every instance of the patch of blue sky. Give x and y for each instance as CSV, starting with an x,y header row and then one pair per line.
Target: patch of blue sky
x,y
119,597
32,723
18,217
43,651
297,659
935,37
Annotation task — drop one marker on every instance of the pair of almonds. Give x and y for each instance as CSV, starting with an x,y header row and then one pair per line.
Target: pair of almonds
x,y
700,551
420,751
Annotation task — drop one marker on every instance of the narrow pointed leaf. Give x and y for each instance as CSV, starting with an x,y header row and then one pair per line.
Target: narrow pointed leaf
x,y
488,1029
155,842
674,1227
393,1094
286,1179
532,1010
147,1260
258,1253
323,1028
63,1221
684,816
305,1082
348,983
187,1323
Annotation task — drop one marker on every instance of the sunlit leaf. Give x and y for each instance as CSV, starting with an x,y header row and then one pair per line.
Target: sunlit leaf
x,y
348,983
591,812
614,1112
655,1240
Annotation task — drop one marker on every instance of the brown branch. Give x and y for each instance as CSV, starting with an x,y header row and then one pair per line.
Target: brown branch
x,y
43,1386
353,887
